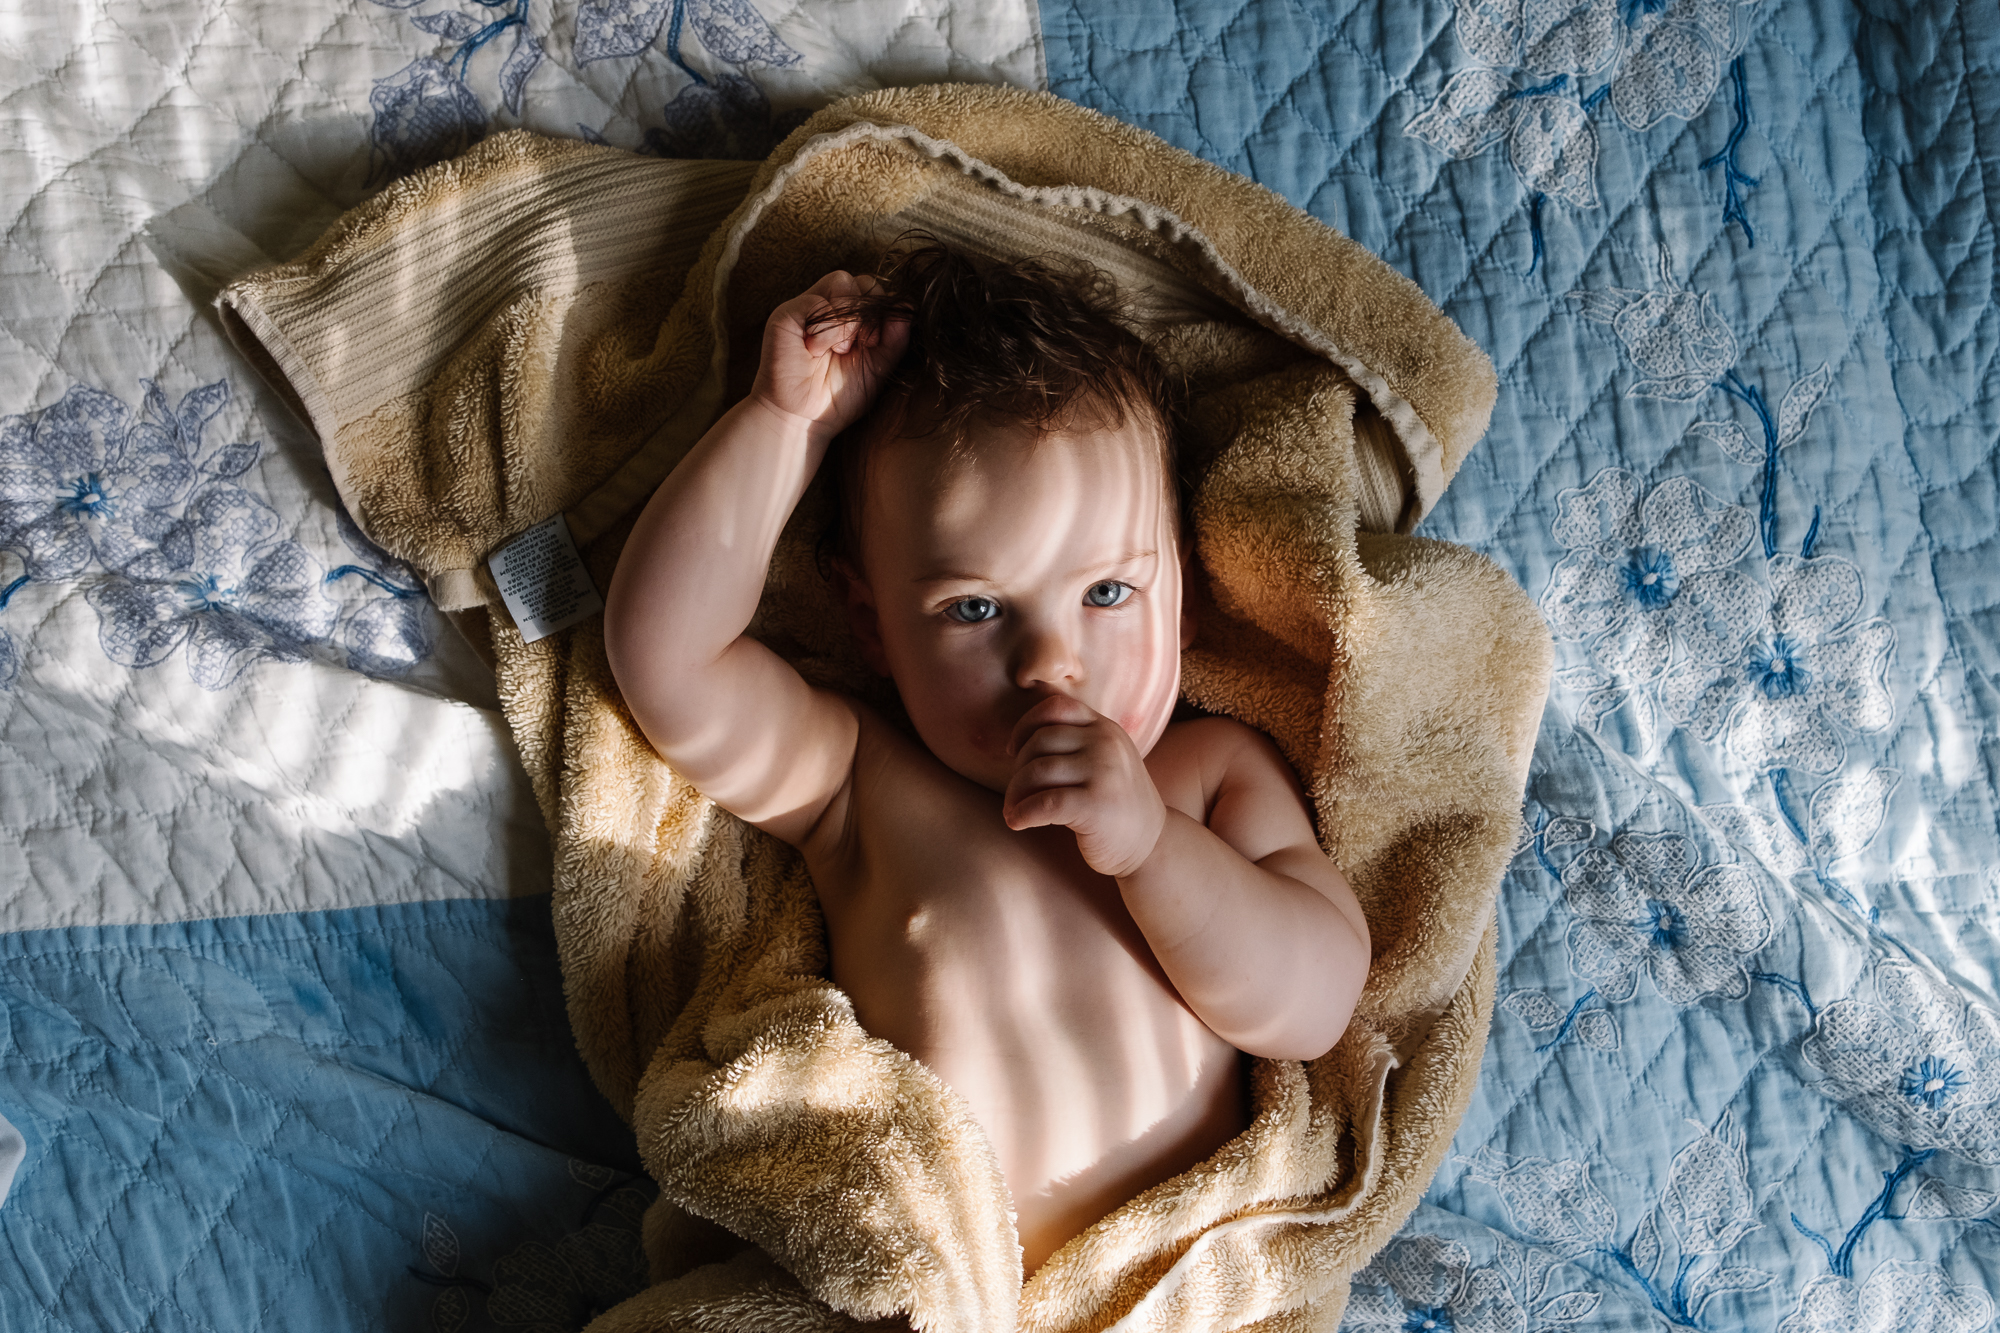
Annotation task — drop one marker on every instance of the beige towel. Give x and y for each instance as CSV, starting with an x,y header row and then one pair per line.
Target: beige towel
x,y
544,327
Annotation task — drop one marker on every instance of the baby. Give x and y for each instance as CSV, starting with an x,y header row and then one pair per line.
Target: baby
x,y
1073,909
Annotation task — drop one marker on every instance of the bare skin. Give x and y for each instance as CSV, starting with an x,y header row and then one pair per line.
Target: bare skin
x,y
1073,912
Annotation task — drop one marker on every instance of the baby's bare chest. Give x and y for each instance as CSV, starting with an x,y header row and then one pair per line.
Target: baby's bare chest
x,y
961,939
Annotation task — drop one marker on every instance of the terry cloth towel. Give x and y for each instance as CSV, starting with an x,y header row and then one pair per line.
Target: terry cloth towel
x,y
543,327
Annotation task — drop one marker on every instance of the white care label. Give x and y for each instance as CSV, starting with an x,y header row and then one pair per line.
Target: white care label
x,y
543,581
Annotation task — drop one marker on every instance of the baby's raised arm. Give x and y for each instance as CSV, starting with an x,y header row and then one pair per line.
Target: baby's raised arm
x,y
729,714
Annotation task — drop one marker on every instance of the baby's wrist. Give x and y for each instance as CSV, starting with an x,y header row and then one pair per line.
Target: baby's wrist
x,y
787,424
1152,853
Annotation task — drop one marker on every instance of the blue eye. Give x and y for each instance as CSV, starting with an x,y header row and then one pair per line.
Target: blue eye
x,y
972,610
1108,593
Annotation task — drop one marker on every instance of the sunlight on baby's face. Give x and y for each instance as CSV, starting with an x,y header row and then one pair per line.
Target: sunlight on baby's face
x,y
1020,569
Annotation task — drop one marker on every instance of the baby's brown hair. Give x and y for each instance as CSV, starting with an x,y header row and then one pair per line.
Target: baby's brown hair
x,y
1028,343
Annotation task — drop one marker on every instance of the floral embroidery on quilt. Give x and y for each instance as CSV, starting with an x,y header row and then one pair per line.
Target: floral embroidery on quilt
x,y
1908,1057
1899,1297
1708,1206
1426,1284
1780,666
1919,1065
1650,59
389,627
427,111
1646,572
187,560
1643,905
1808,670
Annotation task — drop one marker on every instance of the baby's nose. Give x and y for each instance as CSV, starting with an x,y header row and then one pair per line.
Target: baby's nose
x,y
1046,657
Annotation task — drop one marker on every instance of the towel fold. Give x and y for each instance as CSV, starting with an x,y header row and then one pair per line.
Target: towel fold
x,y
543,327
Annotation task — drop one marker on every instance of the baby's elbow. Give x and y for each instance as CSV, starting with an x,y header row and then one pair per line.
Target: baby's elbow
x,y
620,655
635,647
1308,1035
1304,1046
1316,1026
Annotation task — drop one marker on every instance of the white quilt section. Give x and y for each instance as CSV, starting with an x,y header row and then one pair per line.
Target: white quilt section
x,y
216,697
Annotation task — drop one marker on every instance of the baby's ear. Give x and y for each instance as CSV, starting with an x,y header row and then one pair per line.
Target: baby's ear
x,y
862,619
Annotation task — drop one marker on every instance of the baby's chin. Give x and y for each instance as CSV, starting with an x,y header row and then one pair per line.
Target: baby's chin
x,y
975,756
982,768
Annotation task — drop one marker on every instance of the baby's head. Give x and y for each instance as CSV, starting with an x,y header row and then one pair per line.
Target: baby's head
x,y
1009,518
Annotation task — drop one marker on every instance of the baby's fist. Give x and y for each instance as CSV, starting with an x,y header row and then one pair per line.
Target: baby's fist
x,y
1077,768
822,366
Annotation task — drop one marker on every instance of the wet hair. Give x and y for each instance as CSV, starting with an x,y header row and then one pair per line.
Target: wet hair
x,y
1034,343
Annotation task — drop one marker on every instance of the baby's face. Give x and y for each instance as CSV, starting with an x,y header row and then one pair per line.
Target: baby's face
x,y
1023,568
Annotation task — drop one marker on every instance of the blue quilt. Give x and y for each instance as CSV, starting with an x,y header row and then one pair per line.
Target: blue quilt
x,y
1735,263
281,1034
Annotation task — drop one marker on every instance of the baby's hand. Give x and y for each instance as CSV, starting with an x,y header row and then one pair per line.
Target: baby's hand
x,y
826,377
1078,768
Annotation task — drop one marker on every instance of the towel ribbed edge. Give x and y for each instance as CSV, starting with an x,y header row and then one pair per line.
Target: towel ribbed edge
x,y
298,323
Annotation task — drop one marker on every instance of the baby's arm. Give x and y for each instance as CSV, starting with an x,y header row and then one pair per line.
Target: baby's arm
x,y
729,714
1253,923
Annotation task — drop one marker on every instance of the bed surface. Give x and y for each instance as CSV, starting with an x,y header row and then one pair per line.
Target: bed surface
x,y
284,1042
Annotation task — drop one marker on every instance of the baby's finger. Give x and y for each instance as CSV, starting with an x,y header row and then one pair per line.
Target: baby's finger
x,y
836,284
1055,805
1055,738
1056,710
1056,770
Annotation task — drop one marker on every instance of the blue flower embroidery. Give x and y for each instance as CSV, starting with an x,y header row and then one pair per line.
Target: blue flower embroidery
x,y
1933,1082
1806,671
1657,59
1708,1207
392,629
731,29
1425,1284
423,114
1676,337
1644,904
188,558
1917,1063
1644,571
221,583
1553,1203
82,480
729,118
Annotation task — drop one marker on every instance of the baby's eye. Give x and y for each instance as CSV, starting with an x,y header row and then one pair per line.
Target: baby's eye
x,y
972,610
1108,593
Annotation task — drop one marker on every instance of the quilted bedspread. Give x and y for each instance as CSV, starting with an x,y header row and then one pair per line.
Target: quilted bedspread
x,y
283,1042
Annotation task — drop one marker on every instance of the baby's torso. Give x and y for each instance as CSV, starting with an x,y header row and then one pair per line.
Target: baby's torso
x,y
1014,972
